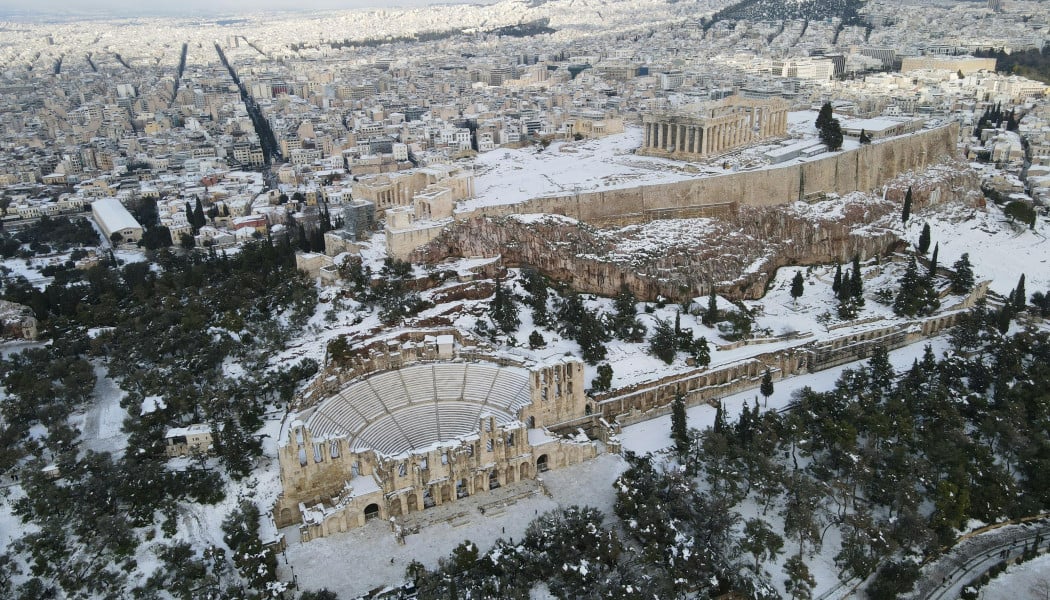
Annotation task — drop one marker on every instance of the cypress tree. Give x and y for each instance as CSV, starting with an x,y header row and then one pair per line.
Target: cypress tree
x,y
924,239
825,116
767,386
189,218
1020,297
857,282
679,425
836,284
198,215
933,261
906,211
797,286
711,316
720,418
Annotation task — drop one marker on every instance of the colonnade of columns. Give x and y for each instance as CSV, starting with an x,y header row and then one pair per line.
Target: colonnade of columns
x,y
703,139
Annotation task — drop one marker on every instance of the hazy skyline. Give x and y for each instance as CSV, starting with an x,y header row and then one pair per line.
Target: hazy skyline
x,y
133,8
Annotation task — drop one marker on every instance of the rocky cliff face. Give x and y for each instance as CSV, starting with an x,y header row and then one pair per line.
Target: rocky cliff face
x,y
682,258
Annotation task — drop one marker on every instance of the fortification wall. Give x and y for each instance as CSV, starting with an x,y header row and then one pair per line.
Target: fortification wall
x,y
863,168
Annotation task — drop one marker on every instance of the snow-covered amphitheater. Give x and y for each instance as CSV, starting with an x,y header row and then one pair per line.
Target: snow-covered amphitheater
x,y
401,440
417,406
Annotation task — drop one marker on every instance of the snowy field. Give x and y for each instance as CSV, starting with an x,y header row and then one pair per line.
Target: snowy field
x,y
1027,580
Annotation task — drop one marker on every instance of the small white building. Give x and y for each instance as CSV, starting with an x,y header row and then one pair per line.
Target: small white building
x,y
183,441
112,218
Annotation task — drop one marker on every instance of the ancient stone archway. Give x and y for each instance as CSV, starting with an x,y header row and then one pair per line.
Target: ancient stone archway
x,y
371,512
493,479
395,507
524,471
541,464
413,502
462,491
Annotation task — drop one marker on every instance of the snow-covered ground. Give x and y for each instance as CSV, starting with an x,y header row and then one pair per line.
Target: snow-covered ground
x,y
378,560
1027,580
100,426
510,176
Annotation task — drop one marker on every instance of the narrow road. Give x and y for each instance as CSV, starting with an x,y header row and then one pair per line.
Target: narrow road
x,y
945,578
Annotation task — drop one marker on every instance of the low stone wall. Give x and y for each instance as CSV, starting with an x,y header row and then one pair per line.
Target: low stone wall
x,y
706,386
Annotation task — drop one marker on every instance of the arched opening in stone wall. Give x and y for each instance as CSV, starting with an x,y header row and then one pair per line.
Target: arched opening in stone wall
x,y
446,493
428,499
395,507
524,470
493,479
371,512
541,464
413,502
461,489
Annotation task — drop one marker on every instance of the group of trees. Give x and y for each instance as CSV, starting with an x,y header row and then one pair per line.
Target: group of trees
x,y
163,330
668,340
994,117
47,235
849,290
829,128
392,291
897,462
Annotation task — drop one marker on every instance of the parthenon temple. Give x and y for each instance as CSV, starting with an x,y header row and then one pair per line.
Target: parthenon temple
x,y
701,131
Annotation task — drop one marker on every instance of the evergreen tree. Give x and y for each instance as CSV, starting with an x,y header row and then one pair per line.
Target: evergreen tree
x,y
571,314
189,218
767,386
603,380
836,284
664,343
797,287
536,340
720,419
1020,297
711,315
825,116
832,135
906,211
856,285
760,541
865,139
700,352
799,583
916,295
536,285
504,310
933,260
962,276
924,239
679,428
198,215
625,322
591,338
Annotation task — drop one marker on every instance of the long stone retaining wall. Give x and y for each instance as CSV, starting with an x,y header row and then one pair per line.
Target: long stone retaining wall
x,y
864,168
